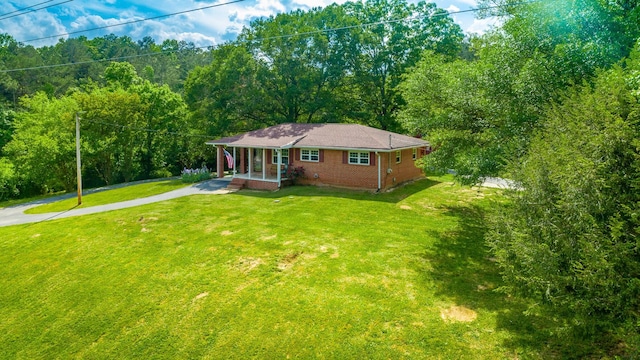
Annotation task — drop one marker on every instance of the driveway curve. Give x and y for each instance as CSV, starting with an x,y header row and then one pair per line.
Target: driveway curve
x,y
14,215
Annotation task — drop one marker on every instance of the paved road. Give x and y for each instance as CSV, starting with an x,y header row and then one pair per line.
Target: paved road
x,y
15,215
498,183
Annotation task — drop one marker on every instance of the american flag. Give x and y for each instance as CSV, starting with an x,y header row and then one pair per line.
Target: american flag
x,y
229,158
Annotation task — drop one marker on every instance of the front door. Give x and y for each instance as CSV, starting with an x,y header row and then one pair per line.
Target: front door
x,y
257,160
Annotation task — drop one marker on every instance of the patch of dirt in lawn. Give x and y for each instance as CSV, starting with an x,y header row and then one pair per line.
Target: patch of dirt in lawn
x,y
145,230
246,264
226,233
325,249
200,296
309,256
288,261
405,207
270,237
35,236
458,314
475,192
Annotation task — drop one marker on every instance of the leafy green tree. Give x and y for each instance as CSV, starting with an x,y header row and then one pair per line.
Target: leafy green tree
x,y
43,145
445,104
389,47
164,118
568,237
109,146
299,76
502,92
224,97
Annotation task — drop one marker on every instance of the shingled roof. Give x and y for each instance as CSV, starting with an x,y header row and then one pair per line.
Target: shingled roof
x,y
325,136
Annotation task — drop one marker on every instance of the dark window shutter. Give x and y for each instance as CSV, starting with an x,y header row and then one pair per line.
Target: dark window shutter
x,y
297,151
269,152
345,157
321,155
372,158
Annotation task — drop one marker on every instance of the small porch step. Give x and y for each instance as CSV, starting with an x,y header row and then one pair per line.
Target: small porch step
x,y
236,184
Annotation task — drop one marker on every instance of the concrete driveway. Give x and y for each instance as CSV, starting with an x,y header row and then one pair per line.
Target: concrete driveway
x,y
14,215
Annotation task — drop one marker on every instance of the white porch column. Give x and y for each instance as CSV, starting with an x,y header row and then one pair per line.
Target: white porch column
x,y
250,151
279,176
378,156
234,161
264,163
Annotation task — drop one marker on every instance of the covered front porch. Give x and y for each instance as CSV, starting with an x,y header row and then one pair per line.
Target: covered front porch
x,y
255,165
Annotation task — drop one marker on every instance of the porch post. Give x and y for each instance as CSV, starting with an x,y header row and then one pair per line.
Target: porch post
x,y
234,161
242,159
250,162
264,163
378,156
220,162
279,165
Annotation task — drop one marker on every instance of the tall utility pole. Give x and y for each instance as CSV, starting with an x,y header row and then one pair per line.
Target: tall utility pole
x,y
78,165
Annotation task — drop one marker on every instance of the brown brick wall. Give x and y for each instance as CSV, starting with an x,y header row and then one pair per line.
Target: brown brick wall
x,y
400,172
332,171
261,185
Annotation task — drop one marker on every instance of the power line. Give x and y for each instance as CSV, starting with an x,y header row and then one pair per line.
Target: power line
x,y
134,21
27,8
33,10
273,37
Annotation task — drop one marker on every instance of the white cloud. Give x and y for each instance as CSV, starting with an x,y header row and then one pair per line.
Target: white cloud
x,y
32,26
481,26
262,8
309,4
453,8
469,2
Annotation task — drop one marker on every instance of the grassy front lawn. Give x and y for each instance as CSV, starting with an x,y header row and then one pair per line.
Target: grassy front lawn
x,y
111,196
303,273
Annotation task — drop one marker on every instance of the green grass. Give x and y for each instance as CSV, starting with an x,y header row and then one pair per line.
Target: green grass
x,y
111,196
303,273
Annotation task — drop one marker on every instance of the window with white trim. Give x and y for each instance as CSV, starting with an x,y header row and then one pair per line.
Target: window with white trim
x,y
358,158
285,156
310,155
415,153
398,156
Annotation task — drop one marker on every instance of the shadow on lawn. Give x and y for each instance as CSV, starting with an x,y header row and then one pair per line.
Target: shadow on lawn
x,y
462,269
393,196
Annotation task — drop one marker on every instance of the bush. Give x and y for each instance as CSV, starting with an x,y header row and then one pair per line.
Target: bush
x,y
161,173
569,238
195,175
295,173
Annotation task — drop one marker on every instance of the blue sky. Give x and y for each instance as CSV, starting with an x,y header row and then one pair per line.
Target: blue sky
x,y
204,28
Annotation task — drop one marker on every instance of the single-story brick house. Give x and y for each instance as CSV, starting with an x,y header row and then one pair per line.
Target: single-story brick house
x,y
346,155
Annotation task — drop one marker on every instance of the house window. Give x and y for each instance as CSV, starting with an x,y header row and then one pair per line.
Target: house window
x,y
358,157
398,156
310,155
285,156
415,154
